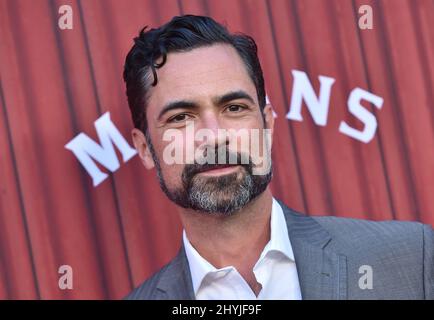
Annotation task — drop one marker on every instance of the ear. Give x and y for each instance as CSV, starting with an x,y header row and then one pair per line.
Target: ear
x,y
142,148
269,118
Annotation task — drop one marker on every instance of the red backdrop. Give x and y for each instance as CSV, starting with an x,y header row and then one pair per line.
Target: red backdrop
x,y
56,83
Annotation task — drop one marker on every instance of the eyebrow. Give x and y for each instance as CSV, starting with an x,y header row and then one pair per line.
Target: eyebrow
x,y
234,95
182,104
186,104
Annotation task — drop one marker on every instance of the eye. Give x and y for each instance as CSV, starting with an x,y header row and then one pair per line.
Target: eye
x,y
235,108
178,118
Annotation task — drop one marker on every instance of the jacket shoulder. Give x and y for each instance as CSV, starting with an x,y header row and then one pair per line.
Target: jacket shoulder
x,y
399,252
354,227
148,290
379,235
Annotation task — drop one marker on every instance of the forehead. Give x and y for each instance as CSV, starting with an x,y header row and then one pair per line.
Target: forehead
x,y
200,74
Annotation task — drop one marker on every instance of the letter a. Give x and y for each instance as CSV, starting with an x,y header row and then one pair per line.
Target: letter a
x,y
365,21
65,20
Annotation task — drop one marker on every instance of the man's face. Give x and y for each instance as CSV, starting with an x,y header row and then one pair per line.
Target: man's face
x,y
202,95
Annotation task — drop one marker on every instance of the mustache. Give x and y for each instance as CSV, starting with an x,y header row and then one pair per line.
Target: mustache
x,y
240,159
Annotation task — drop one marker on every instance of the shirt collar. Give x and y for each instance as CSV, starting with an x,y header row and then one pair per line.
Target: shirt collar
x,y
279,241
199,267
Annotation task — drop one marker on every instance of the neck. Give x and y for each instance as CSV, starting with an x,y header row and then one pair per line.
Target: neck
x,y
235,240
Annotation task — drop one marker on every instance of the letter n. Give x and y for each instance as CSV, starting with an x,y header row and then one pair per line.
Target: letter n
x,y
302,90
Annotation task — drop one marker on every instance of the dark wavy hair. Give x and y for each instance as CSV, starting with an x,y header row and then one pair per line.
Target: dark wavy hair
x,y
182,33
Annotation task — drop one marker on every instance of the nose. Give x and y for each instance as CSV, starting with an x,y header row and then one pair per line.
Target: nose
x,y
209,131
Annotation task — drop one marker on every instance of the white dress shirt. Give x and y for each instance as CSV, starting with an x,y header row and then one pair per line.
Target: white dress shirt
x,y
275,269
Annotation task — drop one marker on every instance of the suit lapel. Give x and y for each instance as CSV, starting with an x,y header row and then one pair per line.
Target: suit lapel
x,y
322,273
175,281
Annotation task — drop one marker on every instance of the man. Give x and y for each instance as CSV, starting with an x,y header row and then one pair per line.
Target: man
x,y
238,241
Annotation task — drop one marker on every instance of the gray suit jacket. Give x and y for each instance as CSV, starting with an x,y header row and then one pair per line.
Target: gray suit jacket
x,y
334,256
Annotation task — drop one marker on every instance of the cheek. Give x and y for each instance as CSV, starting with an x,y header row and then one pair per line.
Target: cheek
x,y
171,166
249,137
172,174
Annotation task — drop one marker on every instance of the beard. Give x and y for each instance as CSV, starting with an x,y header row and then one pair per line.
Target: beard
x,y
225,194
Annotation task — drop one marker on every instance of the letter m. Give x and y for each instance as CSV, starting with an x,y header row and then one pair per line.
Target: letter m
x,y
86,150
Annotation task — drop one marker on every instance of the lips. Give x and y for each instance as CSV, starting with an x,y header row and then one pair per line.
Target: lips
x,y
218,166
